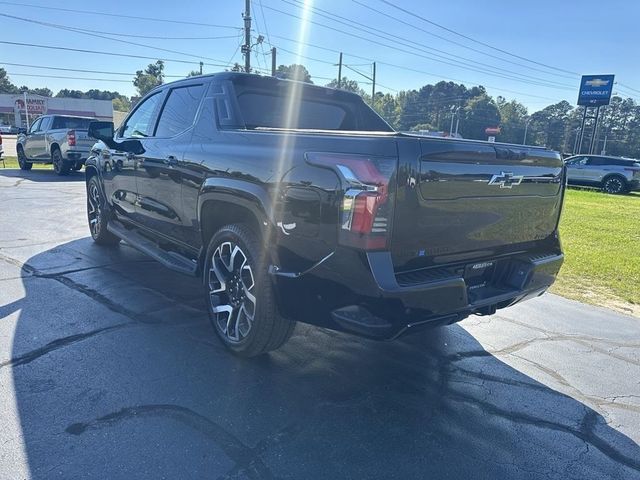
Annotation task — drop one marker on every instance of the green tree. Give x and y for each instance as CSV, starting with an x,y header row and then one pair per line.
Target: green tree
x,y
549,126
149,78
45,92
479,113
294,72
513,119
121,104
346,84
66,93
387,107
5,84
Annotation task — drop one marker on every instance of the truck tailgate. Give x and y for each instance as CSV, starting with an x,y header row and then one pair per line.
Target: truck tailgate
x,y
83,141
471,197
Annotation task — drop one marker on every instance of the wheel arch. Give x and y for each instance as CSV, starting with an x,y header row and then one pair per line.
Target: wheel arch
x,y
227,201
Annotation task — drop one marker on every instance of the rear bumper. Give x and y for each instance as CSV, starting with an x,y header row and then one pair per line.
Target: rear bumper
x,y
361,293
634,184
77,155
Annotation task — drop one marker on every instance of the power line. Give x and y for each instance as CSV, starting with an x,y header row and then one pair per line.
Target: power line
x,y
93,34
69,78
628,87
459,44
78,70
410,43
129,55
105,14
409,69
413,14
370,40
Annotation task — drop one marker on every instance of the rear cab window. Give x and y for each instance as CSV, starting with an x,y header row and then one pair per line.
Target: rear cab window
x,y
71,123
262,105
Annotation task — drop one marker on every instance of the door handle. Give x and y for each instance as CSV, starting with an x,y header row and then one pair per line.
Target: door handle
x,y
171,161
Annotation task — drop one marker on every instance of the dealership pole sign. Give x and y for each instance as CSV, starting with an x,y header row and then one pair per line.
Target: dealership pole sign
x,y
595,90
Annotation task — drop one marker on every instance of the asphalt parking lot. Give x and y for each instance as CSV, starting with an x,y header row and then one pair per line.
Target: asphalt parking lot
x,y
110,369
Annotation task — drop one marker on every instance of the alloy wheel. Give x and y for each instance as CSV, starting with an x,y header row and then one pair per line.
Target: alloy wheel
x,y
613,185
231,291
95,210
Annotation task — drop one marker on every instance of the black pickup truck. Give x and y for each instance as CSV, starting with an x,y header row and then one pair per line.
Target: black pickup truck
x,y
295,202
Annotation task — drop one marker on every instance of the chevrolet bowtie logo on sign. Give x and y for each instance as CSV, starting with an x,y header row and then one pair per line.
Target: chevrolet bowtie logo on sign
x,y
506,180
597,82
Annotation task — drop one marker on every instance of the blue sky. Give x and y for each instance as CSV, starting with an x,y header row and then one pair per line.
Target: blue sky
x,y
572,37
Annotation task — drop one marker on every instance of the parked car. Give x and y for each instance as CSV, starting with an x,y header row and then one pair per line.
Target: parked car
x,y
58,139
295,202
1,149
611,174
5,129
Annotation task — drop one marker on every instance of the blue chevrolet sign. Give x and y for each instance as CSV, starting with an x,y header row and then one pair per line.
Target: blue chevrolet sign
x,y
595,90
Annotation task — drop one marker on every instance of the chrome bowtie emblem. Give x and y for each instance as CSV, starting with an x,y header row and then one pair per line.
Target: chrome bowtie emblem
x,y
506,180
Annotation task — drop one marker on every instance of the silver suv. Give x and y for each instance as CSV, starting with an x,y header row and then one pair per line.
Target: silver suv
x,y
611,174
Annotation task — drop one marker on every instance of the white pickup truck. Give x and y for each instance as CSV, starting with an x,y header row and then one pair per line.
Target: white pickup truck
x,y
57,139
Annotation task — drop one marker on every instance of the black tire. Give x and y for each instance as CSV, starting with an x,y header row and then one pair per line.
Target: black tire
x,y
24,163
60,166
98,215
236,270
614,184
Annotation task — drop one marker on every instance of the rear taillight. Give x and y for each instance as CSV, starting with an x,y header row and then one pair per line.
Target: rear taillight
x,y
71,138
366,207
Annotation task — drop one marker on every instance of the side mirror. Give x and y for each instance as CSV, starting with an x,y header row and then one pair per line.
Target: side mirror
x,y
104,132
101,131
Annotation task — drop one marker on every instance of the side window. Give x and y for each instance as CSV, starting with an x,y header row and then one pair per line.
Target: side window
x,y
578,161
179,110
583,161
46,124
35,126
140,123
596,161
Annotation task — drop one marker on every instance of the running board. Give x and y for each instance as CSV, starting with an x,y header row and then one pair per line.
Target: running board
x,y
172,260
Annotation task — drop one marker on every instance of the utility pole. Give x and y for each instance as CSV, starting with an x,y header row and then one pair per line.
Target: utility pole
x,y
201,67
373,87
26,109
457,123
273,62
340,72
453,114
604,146
246,48
526,128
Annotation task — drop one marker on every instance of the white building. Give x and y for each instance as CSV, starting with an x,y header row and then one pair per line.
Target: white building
x,y
12,108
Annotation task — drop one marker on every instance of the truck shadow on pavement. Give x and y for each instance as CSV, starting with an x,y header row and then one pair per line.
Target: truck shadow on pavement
x,y
38,175
118,374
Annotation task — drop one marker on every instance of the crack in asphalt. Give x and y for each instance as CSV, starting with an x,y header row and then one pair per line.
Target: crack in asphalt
x,y
586,432
247,461
58,344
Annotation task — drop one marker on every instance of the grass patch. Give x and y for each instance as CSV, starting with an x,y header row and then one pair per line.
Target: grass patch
x,y
601,239
12,162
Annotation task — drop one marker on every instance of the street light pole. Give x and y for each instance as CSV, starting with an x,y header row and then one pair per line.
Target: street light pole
x,y
453,113
526,127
